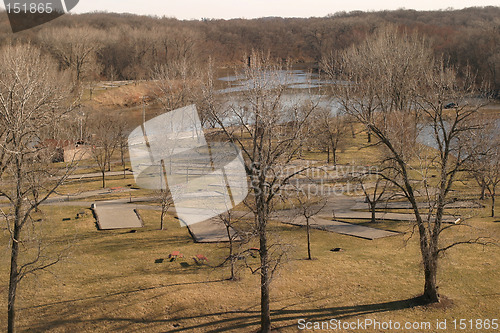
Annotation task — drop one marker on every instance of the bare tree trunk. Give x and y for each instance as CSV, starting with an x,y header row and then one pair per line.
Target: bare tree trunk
x,y
430,253
123,162
328,155
308,227
103,178
13,280
231,252
14,254
483,191
265,312
493,204
430,272
372,208
334,154
162,216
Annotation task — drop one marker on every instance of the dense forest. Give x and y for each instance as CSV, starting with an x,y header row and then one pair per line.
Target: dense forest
x,y
106,46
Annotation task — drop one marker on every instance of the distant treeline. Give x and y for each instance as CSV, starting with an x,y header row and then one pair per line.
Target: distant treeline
x,y
123,46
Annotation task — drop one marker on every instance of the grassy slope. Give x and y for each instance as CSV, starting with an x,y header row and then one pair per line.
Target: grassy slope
x,y
110,281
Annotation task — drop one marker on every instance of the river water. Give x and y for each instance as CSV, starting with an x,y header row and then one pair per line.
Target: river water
x,y
301,87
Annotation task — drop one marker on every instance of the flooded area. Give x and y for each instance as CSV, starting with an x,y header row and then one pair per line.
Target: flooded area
x,y
302,87
293,79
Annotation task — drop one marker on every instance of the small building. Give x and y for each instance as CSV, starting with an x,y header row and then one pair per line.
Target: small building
x,y
78,151
67,150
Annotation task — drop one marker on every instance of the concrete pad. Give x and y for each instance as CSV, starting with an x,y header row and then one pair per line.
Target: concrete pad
x,y
117,216
348,208
211,231
407,205
388,216
345,228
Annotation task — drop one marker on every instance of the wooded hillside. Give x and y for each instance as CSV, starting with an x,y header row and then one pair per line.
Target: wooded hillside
x,y
123,46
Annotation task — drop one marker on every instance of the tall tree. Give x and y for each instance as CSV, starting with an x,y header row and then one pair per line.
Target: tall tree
x,y
332,129
411,92
270,133
308,207
361,86
32,93
230,221
374,192
105,138
484,164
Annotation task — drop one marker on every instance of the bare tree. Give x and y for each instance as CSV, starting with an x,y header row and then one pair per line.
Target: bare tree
x,y
492,177
32,91
230,221
376,194
308,207
105,139
75,48
174,84
361,85
272,136
484,164
331,130
166,202
122,138
411,93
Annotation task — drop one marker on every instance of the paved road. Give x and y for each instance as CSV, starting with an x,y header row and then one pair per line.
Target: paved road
x,y
98,174
59,198
407,205
121,214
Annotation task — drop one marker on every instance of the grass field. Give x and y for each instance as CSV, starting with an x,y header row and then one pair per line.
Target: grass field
x,y
110,281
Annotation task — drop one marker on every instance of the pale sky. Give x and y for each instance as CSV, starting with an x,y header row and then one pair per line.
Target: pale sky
x,y
188,9
197,9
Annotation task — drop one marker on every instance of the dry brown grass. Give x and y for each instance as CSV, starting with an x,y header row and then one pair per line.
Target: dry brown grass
x,y
111,282
129,95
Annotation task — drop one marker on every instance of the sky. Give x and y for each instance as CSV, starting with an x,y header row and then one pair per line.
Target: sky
x,y
226,9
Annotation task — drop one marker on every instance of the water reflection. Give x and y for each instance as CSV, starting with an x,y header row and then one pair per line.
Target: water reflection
x,y
295,79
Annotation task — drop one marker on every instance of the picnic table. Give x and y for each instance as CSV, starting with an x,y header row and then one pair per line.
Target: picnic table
x,y
175,254
253,251
200,259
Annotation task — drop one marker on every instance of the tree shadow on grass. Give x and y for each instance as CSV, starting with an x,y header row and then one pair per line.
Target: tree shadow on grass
x,y
138,290
281,318
243,320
